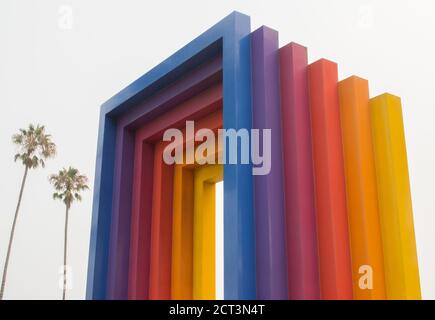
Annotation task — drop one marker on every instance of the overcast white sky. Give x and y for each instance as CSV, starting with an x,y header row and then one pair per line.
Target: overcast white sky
x,y
58,76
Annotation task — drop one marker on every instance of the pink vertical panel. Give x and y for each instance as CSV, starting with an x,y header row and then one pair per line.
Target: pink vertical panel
x,y
302,262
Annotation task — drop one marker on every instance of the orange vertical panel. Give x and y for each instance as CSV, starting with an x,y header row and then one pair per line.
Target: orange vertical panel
x,y
361,195
182,242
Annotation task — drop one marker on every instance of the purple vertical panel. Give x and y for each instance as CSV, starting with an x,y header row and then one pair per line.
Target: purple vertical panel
x,y
303,277
117,280
268,189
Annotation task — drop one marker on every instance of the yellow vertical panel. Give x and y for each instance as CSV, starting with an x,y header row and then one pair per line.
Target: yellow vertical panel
x,y
395,207
361,196
182,235
204,267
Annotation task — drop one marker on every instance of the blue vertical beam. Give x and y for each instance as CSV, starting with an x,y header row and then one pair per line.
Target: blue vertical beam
x,y
101,211
239,235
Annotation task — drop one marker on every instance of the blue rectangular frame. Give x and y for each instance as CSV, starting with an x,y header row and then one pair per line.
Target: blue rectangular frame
x,y
239,239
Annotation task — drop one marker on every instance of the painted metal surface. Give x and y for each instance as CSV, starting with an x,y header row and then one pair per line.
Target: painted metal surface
x,y
395,208
332,227
361,195
182,280
337,197
182,235
302,260
204,238
268,188
148,138
161,228
128,124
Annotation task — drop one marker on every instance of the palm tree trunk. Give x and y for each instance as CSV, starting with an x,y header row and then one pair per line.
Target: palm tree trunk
x,y
11,237
64,252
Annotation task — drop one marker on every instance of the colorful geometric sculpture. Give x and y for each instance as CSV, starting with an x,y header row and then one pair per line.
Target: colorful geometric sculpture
x,y
128,124
228,38
331,219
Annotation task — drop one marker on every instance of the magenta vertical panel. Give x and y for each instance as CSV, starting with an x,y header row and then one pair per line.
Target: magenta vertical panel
x,y
268,188
303,277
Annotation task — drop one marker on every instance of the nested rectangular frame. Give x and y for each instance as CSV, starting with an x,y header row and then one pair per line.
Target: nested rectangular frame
x,y
152,187
229,37
178,93
181,92
193,254
182,278
164,267
157,253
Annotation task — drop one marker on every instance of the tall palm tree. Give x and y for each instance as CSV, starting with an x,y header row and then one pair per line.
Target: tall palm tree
x,y
34,147
68,184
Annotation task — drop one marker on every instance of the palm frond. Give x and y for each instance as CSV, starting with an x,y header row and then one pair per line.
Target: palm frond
x,y
17,139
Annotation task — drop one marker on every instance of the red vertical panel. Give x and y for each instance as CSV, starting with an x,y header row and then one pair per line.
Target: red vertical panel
x,y
161,228
333,239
